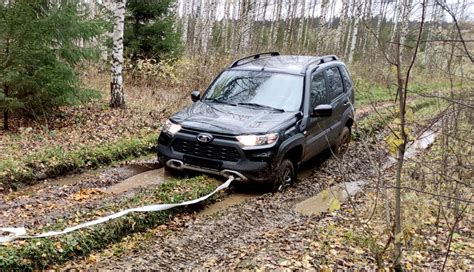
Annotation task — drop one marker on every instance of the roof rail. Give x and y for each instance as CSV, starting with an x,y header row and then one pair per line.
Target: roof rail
x,y
254,57
319,60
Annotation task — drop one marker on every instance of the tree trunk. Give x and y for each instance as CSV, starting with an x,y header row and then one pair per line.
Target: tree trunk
x,y
261,39
225,27
300,37
116,85
322,27
5,113
6,88
354,34
276,33
402,95
342,26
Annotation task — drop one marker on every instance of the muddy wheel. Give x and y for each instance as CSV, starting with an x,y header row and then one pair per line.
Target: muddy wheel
x,y
284,177
343,142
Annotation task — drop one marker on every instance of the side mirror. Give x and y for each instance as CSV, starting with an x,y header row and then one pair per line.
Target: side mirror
x,y
323,110
195,96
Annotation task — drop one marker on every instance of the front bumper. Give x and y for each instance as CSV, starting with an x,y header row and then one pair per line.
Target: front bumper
x,y
245,165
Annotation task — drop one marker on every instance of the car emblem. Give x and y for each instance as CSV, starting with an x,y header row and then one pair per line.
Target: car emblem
x,y
204,138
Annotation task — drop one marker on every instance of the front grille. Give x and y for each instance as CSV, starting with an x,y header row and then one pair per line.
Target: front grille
x,y
206,150
211,164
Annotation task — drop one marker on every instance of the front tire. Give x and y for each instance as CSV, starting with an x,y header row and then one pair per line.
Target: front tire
x,y
284,177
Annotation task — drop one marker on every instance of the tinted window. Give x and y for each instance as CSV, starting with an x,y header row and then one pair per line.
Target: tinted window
x,y
346,77
335,83
281,91
318,90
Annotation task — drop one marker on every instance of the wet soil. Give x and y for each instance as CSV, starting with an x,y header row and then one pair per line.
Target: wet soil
x,y
249,230
42,204
261,230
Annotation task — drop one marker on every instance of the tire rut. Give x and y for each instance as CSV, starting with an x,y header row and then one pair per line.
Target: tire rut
x,y
261,230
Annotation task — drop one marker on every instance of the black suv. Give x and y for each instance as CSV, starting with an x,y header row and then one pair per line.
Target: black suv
x,y
261,118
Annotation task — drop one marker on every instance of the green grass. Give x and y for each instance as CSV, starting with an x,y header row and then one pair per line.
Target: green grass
x,y
54,161
42,253
422,108
369,92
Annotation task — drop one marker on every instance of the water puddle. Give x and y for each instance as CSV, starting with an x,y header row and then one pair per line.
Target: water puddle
x,y
229,201
153,177
71,179
421,143
334,196
122,171
329,198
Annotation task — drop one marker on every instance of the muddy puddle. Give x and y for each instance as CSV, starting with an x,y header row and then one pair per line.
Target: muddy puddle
x,y
144,179
122,172
338,194
330,197
229,201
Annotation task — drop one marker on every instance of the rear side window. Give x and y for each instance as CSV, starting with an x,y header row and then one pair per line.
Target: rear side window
x,y
346,77
335,83
318,90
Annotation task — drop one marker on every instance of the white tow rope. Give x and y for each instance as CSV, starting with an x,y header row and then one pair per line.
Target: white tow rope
x,y
21,233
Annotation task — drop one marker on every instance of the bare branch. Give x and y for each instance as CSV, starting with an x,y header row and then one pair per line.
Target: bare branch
x,y
453,16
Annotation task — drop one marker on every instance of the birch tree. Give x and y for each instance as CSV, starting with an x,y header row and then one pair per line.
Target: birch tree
x,y
117,98
354,34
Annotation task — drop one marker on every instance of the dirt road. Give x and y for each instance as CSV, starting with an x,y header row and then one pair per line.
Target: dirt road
x,y
263,230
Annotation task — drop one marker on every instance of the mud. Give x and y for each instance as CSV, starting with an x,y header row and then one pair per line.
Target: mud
x,y
322,201
244,231
258,231
230,201
142,180
56,199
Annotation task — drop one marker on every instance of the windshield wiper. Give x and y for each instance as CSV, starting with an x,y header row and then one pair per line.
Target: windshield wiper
x,y
260,106
218,101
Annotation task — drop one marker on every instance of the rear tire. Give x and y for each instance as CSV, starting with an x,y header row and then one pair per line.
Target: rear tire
x,y
342,143
284,177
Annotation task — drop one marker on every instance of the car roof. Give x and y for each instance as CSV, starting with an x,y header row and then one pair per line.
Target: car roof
x,y
283,63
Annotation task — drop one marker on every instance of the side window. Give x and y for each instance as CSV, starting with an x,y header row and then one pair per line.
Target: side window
x,y
335,83
346,77
318,90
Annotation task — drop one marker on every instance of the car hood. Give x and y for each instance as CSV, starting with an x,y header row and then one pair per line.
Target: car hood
x,y
228,119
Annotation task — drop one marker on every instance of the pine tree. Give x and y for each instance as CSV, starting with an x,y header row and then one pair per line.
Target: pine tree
x,y
150,30
39,47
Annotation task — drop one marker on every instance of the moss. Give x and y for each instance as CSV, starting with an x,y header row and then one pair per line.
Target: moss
x,y
43,253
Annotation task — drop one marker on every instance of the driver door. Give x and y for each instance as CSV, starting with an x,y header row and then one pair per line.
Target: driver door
x,y
318,127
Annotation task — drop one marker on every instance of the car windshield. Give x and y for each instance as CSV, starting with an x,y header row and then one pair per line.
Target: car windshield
x,y
258,89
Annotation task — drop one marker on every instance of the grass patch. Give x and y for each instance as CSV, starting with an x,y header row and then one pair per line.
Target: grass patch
x,y
423,107
56,161
43,253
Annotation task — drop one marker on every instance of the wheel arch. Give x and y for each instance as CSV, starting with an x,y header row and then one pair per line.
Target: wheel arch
x,y
291,148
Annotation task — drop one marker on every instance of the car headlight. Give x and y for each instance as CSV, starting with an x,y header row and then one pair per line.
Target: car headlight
x,y
170,128
258,140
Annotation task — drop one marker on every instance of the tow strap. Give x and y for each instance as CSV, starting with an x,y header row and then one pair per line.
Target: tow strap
x,y
21,232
